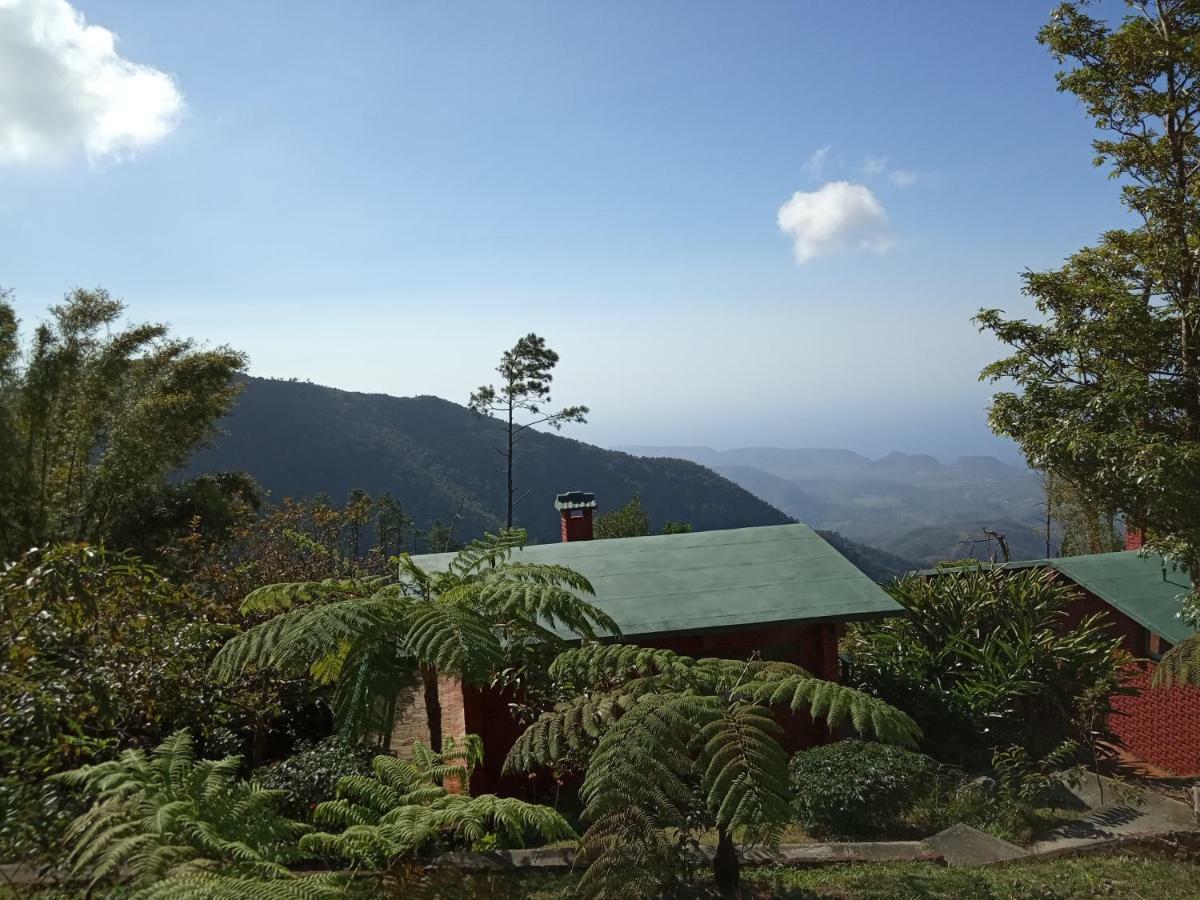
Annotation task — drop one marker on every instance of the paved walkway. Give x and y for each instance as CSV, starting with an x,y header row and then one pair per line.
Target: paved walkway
x,y
1121,811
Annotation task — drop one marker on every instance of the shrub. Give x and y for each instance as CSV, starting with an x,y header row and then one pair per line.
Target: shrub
x,y
310,776
852,788
989,659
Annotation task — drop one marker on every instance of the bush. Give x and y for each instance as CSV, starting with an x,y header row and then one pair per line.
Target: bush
x,y
310,776
853,788
989,659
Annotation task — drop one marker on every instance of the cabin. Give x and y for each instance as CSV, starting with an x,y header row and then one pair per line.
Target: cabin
x,y
1140,596
780,591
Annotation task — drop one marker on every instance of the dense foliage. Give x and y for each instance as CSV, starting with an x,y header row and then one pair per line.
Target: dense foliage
x,y
166,816
404,809
97,651
311,774
371,638
674,745
854,788
94,417
986,659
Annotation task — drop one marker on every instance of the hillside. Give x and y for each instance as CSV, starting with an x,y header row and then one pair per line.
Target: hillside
x,y
911,505
301,439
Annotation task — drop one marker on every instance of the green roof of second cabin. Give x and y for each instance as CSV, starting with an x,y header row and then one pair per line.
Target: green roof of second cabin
x,y
1145,588
702,581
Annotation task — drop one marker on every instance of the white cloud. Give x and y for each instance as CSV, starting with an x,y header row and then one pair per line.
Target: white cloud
x,y
837,216
64,88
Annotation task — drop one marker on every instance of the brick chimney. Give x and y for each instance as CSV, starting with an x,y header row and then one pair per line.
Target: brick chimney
x,y
1135,537
576,508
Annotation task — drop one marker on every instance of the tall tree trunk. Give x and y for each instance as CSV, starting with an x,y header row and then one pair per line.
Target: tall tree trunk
x,y
509,459
433,707
727,869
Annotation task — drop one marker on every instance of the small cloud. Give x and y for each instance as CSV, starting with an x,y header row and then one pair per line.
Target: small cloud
x,y
836,217
816,163
874,166
905,177
877,167
64,88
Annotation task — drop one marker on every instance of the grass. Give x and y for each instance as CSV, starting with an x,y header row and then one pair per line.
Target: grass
x,y
1119,876
1132,877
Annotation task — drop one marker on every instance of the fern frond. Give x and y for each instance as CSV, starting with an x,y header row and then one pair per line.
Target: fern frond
x,y
594,666
833,703
213,886
487,552
571,726
285,596
1180,664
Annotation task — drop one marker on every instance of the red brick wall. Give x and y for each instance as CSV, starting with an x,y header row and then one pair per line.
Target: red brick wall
x,y
1161,725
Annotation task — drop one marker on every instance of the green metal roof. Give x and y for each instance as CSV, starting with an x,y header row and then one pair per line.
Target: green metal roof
x,y
714,579
1146,589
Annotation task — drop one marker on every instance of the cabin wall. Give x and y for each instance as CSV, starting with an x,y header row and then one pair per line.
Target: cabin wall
x,y
486,712
1160,726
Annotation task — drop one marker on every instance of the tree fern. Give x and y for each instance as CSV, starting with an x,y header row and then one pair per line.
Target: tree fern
x,y
165,815
683,743
405,810
370,638
1180,664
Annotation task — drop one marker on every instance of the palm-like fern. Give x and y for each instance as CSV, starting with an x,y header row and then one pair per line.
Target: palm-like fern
x,y
367,636
168,818
683,743
1180,664
404,810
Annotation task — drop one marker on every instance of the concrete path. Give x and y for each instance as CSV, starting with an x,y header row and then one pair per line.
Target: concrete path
x,y
1120,812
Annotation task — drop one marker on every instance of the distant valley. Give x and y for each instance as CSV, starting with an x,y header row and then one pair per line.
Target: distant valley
x,y
913,506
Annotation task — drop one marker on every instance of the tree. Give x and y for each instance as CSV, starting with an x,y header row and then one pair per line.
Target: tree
x,y
630,520
677,745
672,527
1082,525
372,637
93,418
392,524
526,372
1110,380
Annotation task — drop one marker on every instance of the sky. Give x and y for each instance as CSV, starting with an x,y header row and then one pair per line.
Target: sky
x,y
739,224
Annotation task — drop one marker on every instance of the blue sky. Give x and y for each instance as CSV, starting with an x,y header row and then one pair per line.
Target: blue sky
x,y
383,196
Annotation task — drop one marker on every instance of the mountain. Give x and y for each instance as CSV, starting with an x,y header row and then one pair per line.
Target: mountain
x,y
300,439
911,505
876,564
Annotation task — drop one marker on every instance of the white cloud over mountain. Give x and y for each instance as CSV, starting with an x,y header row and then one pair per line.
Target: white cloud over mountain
x,y
64,89
836,217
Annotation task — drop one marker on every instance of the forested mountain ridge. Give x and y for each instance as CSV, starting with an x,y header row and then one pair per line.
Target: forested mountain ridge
x,y
301,439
